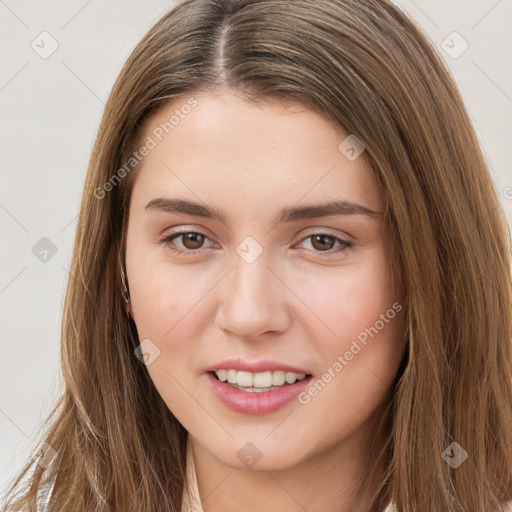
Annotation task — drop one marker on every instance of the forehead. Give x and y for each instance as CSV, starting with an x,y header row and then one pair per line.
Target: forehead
x,y
232,154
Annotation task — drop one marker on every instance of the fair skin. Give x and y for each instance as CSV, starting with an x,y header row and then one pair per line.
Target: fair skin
x,y
301,301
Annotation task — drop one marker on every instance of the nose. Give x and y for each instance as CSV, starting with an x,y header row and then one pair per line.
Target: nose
x,y
253,300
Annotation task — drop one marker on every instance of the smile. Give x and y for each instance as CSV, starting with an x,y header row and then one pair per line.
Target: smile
x,y
256,393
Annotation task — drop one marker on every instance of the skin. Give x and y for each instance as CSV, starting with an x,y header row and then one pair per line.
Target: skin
x,y
296,303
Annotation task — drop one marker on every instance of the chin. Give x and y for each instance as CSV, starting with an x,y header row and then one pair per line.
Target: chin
x,y
260,451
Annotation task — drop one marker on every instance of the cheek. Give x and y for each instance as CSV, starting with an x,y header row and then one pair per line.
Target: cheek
x,y
165,297
361,348
349,300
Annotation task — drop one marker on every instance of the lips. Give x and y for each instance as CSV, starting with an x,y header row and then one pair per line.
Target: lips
x,y
261,395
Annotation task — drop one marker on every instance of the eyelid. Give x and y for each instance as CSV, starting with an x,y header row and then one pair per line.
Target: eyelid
x,y
347,237
184,228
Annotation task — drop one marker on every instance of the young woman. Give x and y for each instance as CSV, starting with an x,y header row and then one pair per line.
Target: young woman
x,y
291,283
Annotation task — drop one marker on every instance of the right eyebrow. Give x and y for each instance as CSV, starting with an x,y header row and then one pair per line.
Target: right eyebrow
x,y
186,207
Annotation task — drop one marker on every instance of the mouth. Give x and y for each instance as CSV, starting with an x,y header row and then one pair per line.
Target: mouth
x,y
256,393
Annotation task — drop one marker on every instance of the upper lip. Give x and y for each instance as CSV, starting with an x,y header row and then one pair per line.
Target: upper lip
x,y
262,365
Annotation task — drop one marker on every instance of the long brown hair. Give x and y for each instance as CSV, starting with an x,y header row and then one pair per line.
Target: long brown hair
x,y
370,70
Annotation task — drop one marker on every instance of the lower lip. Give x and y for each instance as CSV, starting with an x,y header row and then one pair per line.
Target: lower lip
x,y
248,402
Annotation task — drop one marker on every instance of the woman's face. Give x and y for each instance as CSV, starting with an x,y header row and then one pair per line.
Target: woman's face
x,y
280,273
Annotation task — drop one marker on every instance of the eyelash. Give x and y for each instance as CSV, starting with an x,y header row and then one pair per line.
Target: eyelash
x,y
168,239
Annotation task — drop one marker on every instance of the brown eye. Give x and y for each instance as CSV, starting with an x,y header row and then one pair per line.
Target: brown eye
x,y
323,242
192,240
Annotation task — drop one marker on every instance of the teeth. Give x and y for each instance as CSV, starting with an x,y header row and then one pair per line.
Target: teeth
x,y
222,374
291,377
278,378
244,379
258,380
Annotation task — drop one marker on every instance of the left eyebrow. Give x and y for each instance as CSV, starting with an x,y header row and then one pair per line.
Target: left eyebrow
x,y
341,207
289,214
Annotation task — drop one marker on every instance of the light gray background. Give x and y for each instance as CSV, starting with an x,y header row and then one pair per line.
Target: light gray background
x,y
49,113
